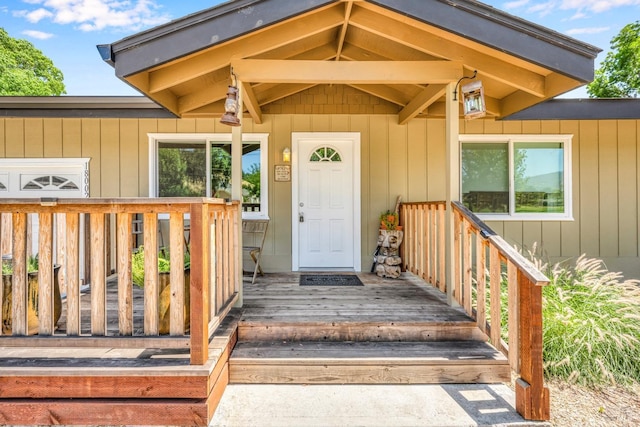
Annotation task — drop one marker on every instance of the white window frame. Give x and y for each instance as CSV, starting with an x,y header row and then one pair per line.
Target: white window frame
x,y
207,139
510,140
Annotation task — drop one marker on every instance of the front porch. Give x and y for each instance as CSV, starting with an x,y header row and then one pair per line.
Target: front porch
x,y
106,353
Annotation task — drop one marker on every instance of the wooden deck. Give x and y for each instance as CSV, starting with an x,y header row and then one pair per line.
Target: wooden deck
x,y
385,332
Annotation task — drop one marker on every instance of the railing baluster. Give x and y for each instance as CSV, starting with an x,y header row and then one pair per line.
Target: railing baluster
x,y
457,256
513,313
45,274
98,275
125,284
495,279
19,323
481,283
72,270
467,265
176,255
443,286
151,277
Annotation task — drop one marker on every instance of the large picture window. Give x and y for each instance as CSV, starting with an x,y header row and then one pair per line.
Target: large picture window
x,y
199,165
516,177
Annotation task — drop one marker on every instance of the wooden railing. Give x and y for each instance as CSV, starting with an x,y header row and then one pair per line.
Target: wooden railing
x,y
115,313
494,283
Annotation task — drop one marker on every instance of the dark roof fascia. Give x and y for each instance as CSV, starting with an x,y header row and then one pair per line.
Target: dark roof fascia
x,y
199,31
581,109
81,107
504,32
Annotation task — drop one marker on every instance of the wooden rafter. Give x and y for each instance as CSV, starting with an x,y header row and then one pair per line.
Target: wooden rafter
x,y
499,70
254,44
388,93
343,31
198,99
251,102
425,98
281,91
347,72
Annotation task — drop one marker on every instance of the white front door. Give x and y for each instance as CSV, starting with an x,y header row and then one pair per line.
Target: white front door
x,y
326,201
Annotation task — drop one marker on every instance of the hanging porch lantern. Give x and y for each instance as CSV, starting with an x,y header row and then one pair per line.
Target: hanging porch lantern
x,y
473,105
231,104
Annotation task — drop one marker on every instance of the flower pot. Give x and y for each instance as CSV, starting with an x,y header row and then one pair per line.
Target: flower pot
x,y
164,301
33,322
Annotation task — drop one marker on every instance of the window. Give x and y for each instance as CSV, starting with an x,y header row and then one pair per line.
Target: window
x,y
516,176
200,165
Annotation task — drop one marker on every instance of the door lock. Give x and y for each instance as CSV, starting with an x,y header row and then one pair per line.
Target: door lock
x,y
301,217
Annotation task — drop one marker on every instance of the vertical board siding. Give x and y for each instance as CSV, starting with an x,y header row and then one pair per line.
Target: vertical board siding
x,y
589,187
396,160
608,187
627,196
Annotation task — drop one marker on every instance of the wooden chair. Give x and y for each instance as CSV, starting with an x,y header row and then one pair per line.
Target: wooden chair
x,y
254,232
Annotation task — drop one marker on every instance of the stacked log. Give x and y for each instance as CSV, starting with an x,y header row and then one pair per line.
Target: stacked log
x,y
388,262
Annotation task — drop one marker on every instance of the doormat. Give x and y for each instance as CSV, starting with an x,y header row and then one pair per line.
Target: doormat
x,y
330,280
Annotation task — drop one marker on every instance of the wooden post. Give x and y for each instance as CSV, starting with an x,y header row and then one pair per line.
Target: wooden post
x,y
19,323
45,274
236,192
199,286
452,129
532,398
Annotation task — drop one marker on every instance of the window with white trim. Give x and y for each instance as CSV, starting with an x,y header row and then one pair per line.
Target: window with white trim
x,y
520,177
199,165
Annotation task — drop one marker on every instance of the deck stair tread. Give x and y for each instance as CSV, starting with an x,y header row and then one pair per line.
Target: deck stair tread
x,y
398,352
279,362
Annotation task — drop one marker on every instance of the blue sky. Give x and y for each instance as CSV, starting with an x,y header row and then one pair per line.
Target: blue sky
x,y
67,31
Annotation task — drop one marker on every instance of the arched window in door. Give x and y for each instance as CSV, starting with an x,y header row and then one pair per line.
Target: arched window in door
x,y
325,154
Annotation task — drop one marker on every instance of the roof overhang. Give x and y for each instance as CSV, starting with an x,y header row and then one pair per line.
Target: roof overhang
x,y
402,52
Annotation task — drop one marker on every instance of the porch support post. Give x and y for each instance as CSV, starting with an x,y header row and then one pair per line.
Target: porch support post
x,y
452,130
236,190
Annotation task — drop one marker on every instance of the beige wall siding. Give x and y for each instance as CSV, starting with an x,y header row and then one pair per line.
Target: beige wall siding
x,y
396,160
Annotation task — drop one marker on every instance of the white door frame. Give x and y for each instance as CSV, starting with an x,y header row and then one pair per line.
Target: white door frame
x,y
354,138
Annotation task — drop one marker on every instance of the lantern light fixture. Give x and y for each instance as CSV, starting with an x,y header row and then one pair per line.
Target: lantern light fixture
x,y
286,155
473,104
231,104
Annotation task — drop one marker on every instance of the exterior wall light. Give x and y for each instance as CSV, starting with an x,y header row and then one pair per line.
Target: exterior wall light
x,y
286,155
473,105
230,116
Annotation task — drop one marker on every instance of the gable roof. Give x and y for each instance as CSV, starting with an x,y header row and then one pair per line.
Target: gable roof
x,y
402,52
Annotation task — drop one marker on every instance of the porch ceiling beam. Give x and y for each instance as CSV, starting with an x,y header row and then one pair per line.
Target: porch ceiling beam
x,y
387,93
416,38
254,44
425,98
251,102
347,72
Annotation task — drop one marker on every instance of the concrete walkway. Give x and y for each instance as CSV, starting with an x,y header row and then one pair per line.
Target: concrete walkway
x,y
368,405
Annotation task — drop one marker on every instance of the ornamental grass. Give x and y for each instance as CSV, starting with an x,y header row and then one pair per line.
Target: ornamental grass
x,y
591,323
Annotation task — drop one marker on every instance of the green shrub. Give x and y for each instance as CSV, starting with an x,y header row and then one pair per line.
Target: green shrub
x,y
164,264
32,266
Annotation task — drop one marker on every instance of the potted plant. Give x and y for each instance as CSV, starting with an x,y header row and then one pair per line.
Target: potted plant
x,y
164,278
390,221
33,322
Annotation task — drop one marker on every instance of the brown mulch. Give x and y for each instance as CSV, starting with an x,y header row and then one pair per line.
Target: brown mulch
x,y
574,405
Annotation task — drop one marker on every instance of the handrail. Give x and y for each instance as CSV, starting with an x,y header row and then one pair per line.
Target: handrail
x,y
481,260
100,225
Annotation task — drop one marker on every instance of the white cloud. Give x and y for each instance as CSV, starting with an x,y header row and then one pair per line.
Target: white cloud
x,y
587,30
596,6
515,4
92,15
37,34
542,9
37,15
578,15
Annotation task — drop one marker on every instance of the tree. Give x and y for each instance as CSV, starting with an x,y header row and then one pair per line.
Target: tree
x,y
26,71
251,182
619,74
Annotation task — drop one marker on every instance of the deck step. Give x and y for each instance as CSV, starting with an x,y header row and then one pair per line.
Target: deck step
x,y
359,330
280,362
